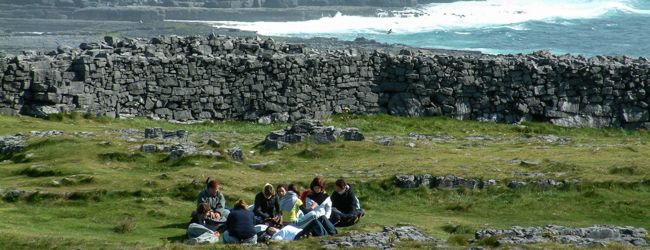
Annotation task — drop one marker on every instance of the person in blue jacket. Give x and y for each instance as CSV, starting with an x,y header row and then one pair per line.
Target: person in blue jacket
x,y
240,225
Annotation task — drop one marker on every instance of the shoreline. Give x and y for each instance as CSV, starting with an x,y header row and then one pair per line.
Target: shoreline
x,y
22,35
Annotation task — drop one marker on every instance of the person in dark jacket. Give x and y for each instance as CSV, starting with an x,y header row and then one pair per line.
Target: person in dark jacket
x,y
201,217
345,205
240,225
266,203
214,198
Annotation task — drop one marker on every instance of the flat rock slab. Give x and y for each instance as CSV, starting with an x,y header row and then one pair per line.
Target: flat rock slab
x,y
380,240
589,236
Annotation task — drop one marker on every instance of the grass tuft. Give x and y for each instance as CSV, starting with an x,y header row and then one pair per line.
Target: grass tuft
x,y
126,225
459,240
39,172
122,157
460,207
623,170
492,241
457,229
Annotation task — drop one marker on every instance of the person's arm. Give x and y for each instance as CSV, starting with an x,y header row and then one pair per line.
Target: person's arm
x,y
354,203
199,199
304,209
222,204
259,199
277,205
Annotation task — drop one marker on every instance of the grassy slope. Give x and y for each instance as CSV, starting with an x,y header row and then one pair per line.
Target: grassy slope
x,y
126,184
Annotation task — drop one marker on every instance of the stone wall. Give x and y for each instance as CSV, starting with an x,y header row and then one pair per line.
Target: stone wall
x,y
225,78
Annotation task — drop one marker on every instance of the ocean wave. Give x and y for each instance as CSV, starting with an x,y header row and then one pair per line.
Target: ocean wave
x,y
461,15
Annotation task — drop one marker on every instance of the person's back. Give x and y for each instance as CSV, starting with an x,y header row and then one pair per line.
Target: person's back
x,y
240,226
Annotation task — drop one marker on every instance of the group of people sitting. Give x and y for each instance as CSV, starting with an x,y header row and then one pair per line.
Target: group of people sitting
x,y
281,213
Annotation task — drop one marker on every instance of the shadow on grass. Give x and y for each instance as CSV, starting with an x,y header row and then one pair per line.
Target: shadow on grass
x,y
174,239
177,225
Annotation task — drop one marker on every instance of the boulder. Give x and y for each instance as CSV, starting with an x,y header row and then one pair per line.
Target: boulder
x,y
235,154
149,148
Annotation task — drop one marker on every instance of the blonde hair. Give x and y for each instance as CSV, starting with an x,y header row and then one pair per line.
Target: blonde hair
x,y
268,190
241,204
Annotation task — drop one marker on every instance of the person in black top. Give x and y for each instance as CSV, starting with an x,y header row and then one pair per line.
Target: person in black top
x,y
267,204
201,217
345,205
240,225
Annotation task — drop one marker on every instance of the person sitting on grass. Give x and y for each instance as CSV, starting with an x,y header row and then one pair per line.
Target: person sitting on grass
x,y
201,229
291,206
318,195
345,205
319,227
282,190
214,198
267,204
240,225
201,217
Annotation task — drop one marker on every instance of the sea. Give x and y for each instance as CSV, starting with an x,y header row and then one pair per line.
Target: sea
x,y
589,27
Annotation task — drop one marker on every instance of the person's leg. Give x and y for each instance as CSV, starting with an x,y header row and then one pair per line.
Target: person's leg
x,y
227,239
335,217
251,240
327,226
309,229
225,213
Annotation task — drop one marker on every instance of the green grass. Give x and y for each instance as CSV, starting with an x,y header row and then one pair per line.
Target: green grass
x,y
113,196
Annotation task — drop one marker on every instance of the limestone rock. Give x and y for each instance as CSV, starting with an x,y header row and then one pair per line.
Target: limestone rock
x,y
235,154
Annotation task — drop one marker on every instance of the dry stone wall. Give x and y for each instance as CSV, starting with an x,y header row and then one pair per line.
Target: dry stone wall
x,y
225,78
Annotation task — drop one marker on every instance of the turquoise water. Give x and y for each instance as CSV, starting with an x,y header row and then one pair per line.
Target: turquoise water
x,y
589,27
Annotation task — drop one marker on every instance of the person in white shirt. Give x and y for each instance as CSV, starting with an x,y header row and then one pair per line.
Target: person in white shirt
x,y
319,227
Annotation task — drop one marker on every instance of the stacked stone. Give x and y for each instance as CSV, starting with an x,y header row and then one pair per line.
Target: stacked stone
x,y
227,78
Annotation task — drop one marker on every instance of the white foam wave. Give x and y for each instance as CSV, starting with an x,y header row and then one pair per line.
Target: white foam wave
x,y
460,16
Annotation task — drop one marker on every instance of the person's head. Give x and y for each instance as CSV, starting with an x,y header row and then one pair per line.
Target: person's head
x,y
213,186
241,204
282,189
272,230
203,209
340,185
318,185
293,188
268,191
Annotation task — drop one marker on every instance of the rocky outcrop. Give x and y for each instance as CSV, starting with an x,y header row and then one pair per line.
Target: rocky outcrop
x,y
383,240
12,144
314,130
225,78
451,181
159,134
596,235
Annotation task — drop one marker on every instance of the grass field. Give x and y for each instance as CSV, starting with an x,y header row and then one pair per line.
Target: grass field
x,y
112,196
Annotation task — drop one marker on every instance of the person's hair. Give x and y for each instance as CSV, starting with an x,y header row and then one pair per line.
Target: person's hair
x,y
268,190
294,188
241,204
317,182
341,183
203,208
268,229
281,186
211,183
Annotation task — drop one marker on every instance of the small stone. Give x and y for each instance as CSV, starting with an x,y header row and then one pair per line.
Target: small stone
x,y
409,144
214,143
